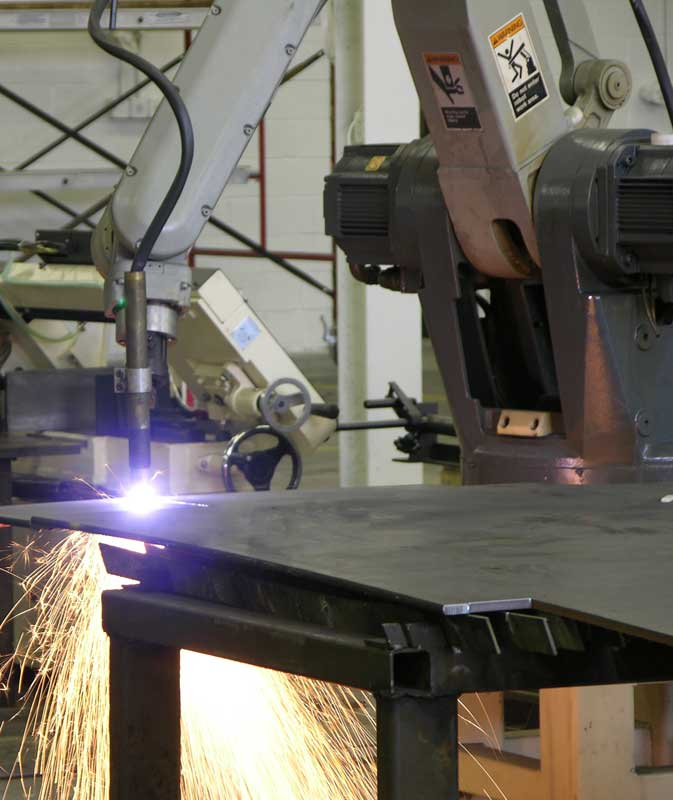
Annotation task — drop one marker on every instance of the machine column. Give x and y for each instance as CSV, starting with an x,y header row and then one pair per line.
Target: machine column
x,y
417,753
144,721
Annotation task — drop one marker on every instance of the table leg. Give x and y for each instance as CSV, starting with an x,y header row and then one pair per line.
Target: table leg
x,y
144,721
417,748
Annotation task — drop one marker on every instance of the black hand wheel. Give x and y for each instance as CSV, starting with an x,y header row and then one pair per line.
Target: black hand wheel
x,y
258,467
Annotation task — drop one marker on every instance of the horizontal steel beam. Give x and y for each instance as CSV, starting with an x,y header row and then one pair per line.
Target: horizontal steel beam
x,y
32,18
51,179
263,641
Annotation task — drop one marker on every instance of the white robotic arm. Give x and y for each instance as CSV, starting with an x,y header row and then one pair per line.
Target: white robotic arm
x,y
225,83
227,80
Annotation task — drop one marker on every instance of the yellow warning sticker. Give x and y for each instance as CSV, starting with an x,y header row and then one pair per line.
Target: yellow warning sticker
x,y
514,26
519,66
375,164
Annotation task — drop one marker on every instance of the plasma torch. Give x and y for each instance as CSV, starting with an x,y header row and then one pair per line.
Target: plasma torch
x,y
138,376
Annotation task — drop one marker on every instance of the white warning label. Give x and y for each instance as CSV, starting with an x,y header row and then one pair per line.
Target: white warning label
x,y
519,66
452,91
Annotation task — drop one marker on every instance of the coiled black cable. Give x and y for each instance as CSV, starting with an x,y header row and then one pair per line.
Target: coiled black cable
x,y
107,42
654,49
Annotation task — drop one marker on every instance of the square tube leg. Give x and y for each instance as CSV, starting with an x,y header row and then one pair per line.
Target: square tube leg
x,y
417,753
144,721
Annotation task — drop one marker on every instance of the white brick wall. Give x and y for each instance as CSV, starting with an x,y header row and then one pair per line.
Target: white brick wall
x,y
68,76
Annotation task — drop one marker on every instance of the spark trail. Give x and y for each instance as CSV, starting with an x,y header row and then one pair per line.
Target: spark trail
x,y
248,733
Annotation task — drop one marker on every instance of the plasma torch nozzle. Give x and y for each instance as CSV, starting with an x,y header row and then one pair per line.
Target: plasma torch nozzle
x,y
138,376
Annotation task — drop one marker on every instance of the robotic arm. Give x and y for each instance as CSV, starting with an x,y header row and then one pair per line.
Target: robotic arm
x,y
547,288
225,84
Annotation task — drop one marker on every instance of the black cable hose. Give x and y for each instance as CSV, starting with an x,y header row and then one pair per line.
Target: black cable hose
x,y
654,49
107,43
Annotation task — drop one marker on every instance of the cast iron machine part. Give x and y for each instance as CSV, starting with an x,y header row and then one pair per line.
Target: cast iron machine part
x,y
579,334
537,241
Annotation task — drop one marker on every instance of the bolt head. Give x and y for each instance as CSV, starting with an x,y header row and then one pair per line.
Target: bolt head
x,y
290,49
616,84
643,423
644,337
248,130
215,10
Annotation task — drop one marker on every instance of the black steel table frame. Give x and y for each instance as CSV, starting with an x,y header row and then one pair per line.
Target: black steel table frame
x,y
417,732
413,670
414,594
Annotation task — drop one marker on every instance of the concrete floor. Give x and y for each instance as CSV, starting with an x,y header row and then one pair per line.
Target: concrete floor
x,y
321,471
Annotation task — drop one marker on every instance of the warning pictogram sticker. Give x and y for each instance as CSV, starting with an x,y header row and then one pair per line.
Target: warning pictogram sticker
x,y
519,66
452,90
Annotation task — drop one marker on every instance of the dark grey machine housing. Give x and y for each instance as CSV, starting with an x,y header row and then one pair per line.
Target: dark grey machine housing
x,y
588,334
358,204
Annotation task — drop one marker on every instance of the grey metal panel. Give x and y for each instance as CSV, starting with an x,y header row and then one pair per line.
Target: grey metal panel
x,y
603,553
51,400
21,446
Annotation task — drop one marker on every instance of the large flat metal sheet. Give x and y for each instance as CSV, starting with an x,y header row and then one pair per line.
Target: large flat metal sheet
x,y
595,553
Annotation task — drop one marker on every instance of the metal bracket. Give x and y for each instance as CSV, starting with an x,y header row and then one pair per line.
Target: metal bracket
x,y
170,284
132,381
529,424
120,382
602,87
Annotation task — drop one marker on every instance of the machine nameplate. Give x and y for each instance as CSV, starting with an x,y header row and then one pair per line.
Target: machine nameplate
x,y
519,66
452,91
246,333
